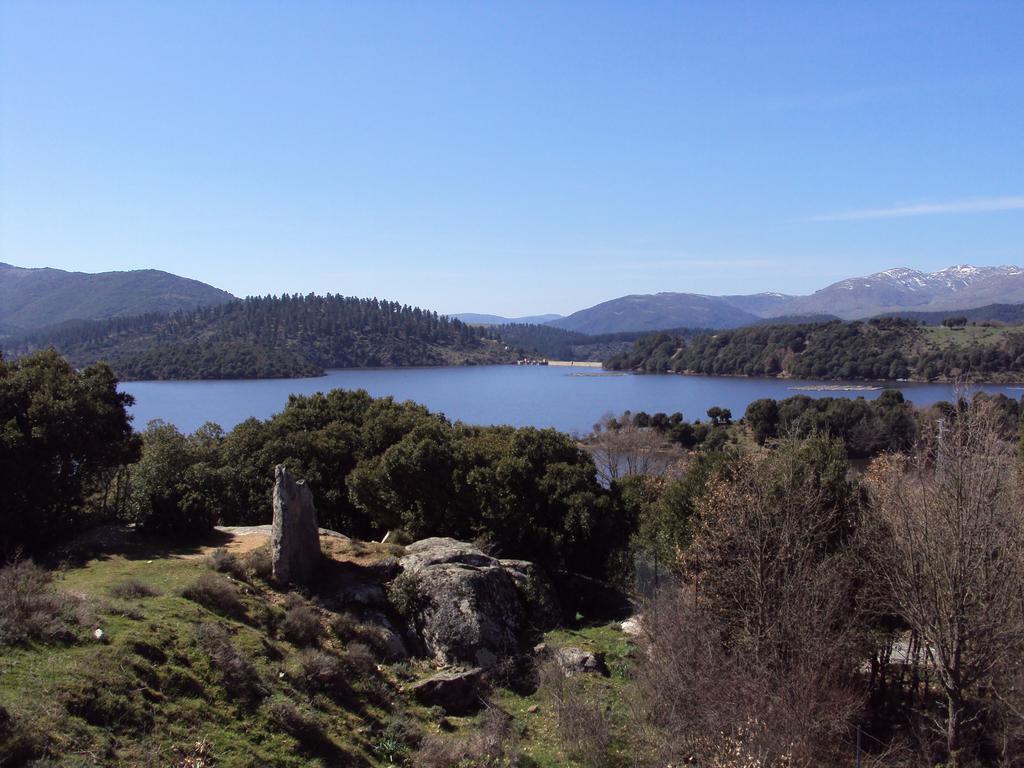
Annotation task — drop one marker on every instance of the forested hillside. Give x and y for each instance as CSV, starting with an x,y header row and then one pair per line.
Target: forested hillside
x,y
876,349
269,337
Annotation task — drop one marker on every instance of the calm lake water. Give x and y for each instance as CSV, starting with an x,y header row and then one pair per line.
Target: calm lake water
x,y
570,399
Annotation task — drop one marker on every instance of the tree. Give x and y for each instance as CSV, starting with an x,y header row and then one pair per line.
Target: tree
x,y
178,484
754,660
622,448
63,434
762,416
950,550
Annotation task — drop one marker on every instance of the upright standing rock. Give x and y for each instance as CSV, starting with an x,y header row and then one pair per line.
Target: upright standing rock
x,y
295,539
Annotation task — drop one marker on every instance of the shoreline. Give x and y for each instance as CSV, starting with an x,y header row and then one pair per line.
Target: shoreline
x,y
576,363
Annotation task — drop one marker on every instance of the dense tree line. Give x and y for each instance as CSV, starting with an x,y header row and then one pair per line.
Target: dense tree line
x,y
289,335
875,349
560,344
65,437
866,427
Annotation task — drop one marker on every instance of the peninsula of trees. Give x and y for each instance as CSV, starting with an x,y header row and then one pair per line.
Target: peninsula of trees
x,y
884,348
268,337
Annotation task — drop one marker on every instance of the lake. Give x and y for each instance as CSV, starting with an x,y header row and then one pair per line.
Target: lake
x,y
570,399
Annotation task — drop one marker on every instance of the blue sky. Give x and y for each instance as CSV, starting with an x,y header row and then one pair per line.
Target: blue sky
x,y
511,157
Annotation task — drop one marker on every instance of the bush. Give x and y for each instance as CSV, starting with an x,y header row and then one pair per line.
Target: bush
x,y
31,608
301,623
492,744
258,563
133,589
223,561
403,594
301,724
359,660
238,675
216,593
584,724
323,673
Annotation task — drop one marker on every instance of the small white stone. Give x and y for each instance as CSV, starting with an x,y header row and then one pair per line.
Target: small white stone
x,y
99,634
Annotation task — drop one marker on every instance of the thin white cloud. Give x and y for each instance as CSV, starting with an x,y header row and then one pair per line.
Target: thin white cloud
x,y
976,205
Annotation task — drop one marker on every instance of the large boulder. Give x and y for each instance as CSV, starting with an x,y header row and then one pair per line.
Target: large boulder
x,y
460,604
543,610
576,661
294,536
456,691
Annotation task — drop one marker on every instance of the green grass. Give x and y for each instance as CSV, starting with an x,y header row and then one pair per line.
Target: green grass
x,y
970,335
539,729
150,694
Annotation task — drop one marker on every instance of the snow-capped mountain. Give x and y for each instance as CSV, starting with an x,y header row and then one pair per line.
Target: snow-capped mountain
x,y
958,287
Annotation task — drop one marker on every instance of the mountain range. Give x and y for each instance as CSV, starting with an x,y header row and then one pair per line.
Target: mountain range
x,y
472,318
32,299
894,291
35,298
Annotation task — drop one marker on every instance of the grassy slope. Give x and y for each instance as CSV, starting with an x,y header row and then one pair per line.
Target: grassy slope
x,y
151,697
150,694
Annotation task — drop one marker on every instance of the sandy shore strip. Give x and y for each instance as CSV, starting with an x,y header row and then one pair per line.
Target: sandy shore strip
x,y
576,363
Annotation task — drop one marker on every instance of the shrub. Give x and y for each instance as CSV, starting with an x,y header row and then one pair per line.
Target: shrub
x,y
21,739
301,724
238,675
216,593
323,673
492,744
133,589
31,608
223,561
584,724
359,660
403,594
301,623
258,563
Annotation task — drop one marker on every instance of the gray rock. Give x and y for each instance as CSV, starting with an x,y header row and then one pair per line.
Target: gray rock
x,y
294,537
466,609
385,636
543,610
454,691
576,661
632,626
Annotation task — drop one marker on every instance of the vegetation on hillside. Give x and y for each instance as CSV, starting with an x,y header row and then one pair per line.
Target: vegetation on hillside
x,y
791,599
874,350
267,337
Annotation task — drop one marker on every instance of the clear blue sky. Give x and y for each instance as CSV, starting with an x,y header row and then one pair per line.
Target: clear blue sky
x,y
511,157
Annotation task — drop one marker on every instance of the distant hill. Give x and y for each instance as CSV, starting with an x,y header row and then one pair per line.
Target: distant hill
x,y
475,319
34,298
269,337
655,312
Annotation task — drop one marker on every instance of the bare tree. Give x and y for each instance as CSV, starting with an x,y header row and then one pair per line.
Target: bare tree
x,y
949,544
621,449
755,661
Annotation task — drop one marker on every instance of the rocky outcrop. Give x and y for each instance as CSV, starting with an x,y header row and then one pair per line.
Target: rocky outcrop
x,y
456,692
576,661
543,610
295,537
461,605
